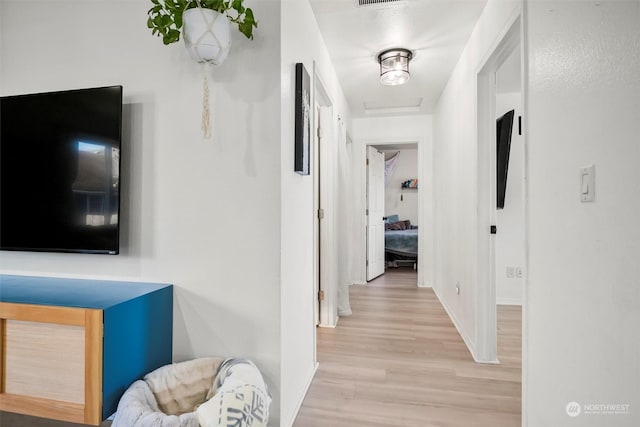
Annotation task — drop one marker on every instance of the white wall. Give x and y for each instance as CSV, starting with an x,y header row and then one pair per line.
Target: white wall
x,y
203,215
302,42
583,296
391,130
509,241
406,168
456,173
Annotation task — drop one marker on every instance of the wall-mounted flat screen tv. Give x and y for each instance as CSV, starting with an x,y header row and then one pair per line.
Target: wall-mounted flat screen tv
x,y
60,171
504,128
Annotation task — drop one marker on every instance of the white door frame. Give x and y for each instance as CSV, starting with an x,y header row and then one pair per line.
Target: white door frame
x,y
316,219
484,265
423,229
324,195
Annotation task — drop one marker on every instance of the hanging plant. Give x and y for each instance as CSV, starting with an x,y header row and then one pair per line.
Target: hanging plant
x,y
166,16
205,27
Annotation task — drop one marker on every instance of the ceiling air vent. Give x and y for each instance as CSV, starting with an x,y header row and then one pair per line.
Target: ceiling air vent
x,y
377,2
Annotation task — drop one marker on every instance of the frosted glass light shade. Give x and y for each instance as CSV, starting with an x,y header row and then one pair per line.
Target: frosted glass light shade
x,y
394,66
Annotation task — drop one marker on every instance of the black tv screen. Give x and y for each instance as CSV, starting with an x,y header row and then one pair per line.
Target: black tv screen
x,y
60,171
504,128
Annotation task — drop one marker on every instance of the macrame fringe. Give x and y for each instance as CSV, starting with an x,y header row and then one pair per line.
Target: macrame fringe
x,y
206,114
217,60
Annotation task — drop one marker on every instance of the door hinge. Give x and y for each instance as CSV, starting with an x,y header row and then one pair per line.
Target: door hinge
x,y
494,229
320,295
367,212
320,213
367,162
367,263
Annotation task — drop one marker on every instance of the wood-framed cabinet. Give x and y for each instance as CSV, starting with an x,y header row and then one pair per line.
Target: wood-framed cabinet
x,y
69,348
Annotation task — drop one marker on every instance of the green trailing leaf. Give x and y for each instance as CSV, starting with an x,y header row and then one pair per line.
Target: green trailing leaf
x,y
166,20
248,17
237,5
174,35
246,29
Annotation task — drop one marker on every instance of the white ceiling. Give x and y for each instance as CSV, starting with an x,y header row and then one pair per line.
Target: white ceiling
x,y
435,30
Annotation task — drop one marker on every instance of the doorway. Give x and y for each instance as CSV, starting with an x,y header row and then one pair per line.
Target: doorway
x,y
324,191
502,238
509,240
393,208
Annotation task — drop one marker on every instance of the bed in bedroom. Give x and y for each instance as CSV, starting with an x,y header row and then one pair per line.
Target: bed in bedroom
x,y
401,244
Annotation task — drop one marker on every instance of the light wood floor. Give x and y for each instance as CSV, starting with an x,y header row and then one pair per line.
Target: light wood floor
x,y
399,361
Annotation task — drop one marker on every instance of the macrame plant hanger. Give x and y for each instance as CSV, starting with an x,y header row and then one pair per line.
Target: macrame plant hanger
x,y
207,61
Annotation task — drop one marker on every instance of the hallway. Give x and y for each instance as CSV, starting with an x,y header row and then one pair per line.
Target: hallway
x,y
399,361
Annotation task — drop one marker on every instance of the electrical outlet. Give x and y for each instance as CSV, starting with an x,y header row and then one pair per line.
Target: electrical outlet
x,y
458,288
519,272
510,272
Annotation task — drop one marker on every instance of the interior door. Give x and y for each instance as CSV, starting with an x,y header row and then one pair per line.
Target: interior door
x,y
375,213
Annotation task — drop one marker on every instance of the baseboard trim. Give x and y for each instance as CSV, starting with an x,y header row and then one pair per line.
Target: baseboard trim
x,y
324,325
306,390
509,301
467,341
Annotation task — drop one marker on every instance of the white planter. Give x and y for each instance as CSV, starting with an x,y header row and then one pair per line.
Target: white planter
x,y
207,35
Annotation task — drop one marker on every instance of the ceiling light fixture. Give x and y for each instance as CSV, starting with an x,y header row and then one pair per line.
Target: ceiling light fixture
x,y
394,66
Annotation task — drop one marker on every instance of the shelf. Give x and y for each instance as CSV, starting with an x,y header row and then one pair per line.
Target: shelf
x,y
71,347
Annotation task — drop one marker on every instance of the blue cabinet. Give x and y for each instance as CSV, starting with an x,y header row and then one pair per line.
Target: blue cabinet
x,y
71,347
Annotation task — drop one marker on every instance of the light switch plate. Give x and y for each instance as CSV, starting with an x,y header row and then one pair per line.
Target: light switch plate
x,y
587,183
